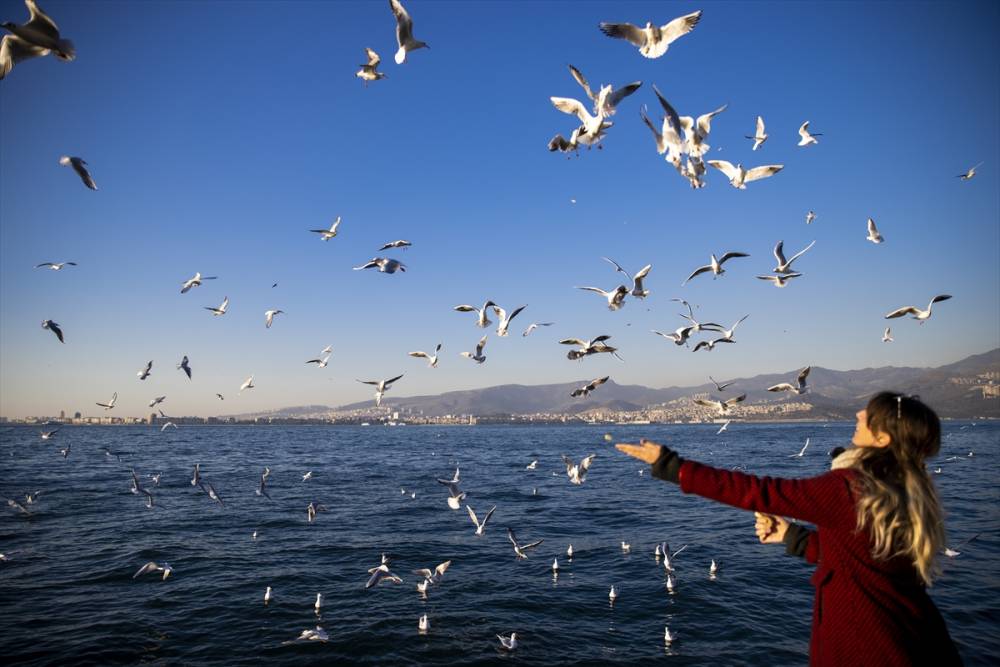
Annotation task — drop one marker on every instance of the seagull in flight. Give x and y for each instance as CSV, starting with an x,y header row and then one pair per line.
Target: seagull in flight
x,y
380,574
722,406
696,132
637,289
166,426
653,41
246,385
480,525
195,282
970,173
739,177
873,234
504,318
589,387
154,567
404,32
144,373
185,366
55,266
802,451
535,325
952,553
780,281
327,234
383,264
728,334
221,310
607,98
519,548
37,38
46,435
54,328
667,137
482,321
714,265
368,71
508,643
79,166
478,355
710,344
396,244
810,216
594,346
887,335
110,404
320,363
724,427
381,386
577,473
920,315
720,387
455,494
679,337
800,384
806,137
261,489
269,316
759,136
432,360
785,266
592,127
615,298
156,401
434,576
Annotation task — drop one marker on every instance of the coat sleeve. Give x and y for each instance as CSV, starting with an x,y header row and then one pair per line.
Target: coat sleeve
x,y
825,500
802,542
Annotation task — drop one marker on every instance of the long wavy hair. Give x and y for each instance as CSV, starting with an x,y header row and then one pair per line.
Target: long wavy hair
x,y
897,502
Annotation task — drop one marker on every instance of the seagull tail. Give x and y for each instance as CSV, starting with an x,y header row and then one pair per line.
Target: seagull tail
x,y
400,56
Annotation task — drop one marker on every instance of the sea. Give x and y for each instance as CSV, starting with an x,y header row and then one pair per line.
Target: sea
x,y
68,596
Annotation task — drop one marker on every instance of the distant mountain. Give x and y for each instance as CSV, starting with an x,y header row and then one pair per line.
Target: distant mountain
x,y
954,390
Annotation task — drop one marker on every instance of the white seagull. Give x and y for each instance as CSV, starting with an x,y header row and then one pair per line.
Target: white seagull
x,y
480,525
724,427
592,127
381,386
519,548
327,234
401,243
380,574
759,136
780,281
478,355
110,404
55,266
668,136
577,473
156,401
873,234
144,373
722,406
434,576
589,347
785,265
969,174
404,32
383,264
806,137
320,363
221,310
368,70
615,297
920,315
269,316
80,167
195,282
36,38
802,452
714,265
589,387
504,318
727,334
799,387
432,360
482,321
508,643
887,335
248,384
154,567
653,41
638,291
710,344
679,337
810,216
739,177
607,98
535,325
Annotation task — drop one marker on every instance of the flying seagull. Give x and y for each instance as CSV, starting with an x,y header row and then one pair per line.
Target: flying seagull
x,y
80,167
478,355
404,32
504,318
156,401
535,325
780,281
810,216
588,347
144,373
728,333
873,234
577,473
269,316
194,282
887,335
759,136
920,315
638,291
739,177
54,328
327,234
36,38
480,525
221,310
55,266
785,266
320,363
653,41
607,98
110,404
592,127
153,567
679,337
384,265
520,549
368,71
432,360
714,265
482,321
800,384
615,297
720,387
248,384
261,489
806,137
710,344
802,452
722,406
969,174
185,366
396,244
589,387
381,386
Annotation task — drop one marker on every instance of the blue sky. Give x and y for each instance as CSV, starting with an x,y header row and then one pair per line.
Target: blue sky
x,y
219,132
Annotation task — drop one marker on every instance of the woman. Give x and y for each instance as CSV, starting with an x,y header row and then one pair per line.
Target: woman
x,y
879,529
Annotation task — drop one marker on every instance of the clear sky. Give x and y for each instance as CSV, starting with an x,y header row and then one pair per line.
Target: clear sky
x,y
220,132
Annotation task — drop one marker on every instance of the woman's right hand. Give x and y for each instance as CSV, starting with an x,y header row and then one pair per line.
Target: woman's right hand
x,y
770,529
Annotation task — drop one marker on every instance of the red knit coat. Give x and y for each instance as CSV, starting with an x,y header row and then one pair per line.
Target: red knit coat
x,y
866,612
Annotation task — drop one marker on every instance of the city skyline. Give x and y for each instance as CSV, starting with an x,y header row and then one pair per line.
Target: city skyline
x,y
211,162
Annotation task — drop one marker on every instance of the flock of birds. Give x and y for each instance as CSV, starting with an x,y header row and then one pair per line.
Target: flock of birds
x,y
682,140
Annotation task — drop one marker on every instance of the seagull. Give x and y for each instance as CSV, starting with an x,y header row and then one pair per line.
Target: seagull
x,y
592,127
887,335
221,310
727,334
710,344
721,406
312,509
679,337
455,494
267,595
320,363
269,316
569,552
195,282
307,476
110,404
577,473
873,234
262,487
185,366
434,576
801,453
626,547
965,177
478,355
606,99
653,41
564,145
46,435
16,505
759,136
713,569
144,373
54,328
482,320
780,281
423,624
36,38
30,498
246,385
156,478
667,562
612,594
79,166
532,466
317,635
504,319
589,347
55,266
535,325
404,32
810,216
327,234
696,132
589,387
65,450
616,297
380,574
396,244
667,137
920,315
739,177
724,427
153,567
555,566
381,386
318,606
800,384
156,401
807,138
326,350
480,525
220,397
785,266
721,387
519,549
368,72
384,265
210,490
714,265
667,637
508,643
951,553
637,289
196,475
432,360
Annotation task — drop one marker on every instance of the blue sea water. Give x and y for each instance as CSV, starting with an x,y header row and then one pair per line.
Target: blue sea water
x,y
67,595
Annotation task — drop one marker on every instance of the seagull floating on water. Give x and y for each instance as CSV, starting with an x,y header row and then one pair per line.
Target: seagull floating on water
x,y
653,41
508,643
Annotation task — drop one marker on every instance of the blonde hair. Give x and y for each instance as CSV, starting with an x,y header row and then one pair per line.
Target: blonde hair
x,y
897,501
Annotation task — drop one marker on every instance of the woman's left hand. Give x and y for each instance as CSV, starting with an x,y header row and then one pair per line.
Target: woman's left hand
x,y
646,450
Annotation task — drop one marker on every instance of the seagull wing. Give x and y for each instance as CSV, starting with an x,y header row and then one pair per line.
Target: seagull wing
x,y
671,114
680,26
764,171
801,252
472,515
698,271
420,354
872,229
512,537
661,145
595,289
145,569
725,167
617,96
783,386
704,122
531,545
905,310
582,80
940,297
803,374
487,517
573,341
572,107
627,31
731,255
373,58
404,24
779,253
617,266
13,50
390,381
737,399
